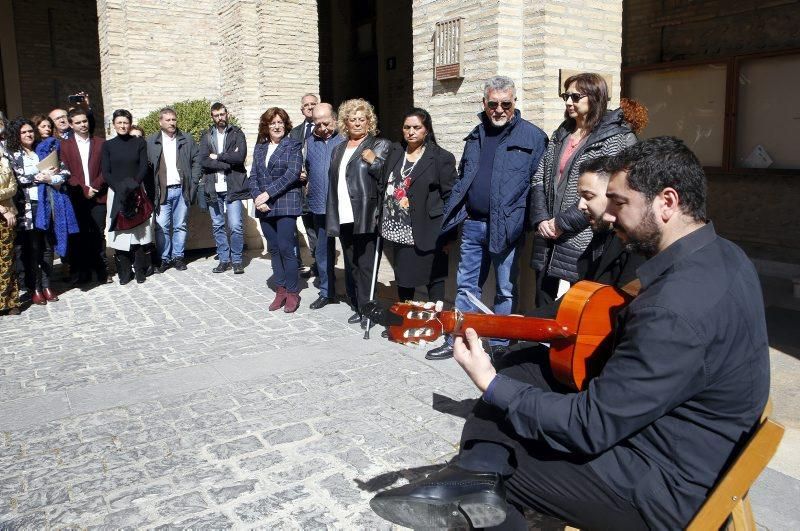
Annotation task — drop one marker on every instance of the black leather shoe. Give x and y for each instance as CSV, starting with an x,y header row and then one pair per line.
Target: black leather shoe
x,y
321,302
238,268
355,318
221,267
498,351
450,498
163,267
180,265
440,353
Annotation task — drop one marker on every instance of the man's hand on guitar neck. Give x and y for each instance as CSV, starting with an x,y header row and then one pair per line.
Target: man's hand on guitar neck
x,y
469,353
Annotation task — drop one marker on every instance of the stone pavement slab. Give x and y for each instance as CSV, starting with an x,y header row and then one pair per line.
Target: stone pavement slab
x,y
183,403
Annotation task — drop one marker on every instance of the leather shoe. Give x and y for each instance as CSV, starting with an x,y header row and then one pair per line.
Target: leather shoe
x,y
163,267
451,498
280,299
321,302
221,267
38,298
355,318
238,268
50,295
180,265
440,353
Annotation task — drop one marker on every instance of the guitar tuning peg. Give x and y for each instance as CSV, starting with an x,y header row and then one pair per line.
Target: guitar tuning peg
x,y
439,306
428,305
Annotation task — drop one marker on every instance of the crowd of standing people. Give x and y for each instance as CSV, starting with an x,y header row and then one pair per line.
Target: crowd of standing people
x,y
334,171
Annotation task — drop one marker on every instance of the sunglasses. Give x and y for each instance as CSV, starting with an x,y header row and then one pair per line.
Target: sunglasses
x,y
576,96
506,105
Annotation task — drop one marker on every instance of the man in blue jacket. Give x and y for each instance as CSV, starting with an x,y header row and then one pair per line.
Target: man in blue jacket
x,y
490,198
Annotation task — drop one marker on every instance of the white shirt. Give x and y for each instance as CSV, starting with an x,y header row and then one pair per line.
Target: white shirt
x,y
221,185
270,151
29,161
83,149
169,149
343,194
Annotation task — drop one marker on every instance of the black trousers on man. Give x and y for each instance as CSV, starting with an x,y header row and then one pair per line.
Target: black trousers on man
x,y
538,477
87,249
359,256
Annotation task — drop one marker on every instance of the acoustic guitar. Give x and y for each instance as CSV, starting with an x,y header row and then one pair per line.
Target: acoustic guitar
x,y
581,336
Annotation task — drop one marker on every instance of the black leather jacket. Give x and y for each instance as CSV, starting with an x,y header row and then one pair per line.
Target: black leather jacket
x,y
362,185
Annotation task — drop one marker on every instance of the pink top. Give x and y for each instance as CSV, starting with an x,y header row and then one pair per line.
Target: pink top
x,y
569,150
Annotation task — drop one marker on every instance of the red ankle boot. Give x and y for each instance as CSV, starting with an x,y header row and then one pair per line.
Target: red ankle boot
x,y
292,302
280,299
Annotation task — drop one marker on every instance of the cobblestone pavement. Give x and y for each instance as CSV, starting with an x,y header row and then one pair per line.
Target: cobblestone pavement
x,y
183,403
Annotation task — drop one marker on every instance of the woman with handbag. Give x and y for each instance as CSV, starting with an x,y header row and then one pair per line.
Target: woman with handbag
x,y
129,224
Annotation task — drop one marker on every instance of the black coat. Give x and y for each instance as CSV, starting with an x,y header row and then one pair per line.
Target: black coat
x,y
230,161
362,185
124,163
431,182
605,261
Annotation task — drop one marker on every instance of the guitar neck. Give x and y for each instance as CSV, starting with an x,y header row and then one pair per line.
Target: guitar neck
x,y
505,326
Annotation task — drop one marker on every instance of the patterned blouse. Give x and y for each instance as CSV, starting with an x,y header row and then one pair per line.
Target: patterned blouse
x,y
396,224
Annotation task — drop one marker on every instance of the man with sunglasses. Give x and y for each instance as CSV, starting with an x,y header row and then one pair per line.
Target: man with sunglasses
x,y
490,201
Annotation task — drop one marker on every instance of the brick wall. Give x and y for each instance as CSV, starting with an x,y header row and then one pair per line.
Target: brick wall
x,y
58,54
157,52
528,41
655,32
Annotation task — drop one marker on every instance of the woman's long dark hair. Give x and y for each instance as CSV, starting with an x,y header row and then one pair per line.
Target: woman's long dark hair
x,y
594,86
424,117
13,141
37,119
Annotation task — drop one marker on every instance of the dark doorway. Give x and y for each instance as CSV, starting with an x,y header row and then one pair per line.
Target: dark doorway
x,y
365,52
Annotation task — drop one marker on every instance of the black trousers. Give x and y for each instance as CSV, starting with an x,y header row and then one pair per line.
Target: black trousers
x,y
359,255
33,256
539,478
546,289
435,292
131,262
87,249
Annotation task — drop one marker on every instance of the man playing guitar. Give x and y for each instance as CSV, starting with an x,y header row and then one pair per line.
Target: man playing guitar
x,y
641,445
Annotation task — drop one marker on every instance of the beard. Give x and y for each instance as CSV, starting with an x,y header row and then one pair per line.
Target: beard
x,y
645,237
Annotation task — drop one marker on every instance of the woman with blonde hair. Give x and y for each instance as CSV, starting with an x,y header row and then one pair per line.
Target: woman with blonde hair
x,y
354,194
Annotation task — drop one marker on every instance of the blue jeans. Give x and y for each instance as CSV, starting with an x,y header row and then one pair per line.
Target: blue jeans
x,y
325,257
171,225
473,268
280,233
227,218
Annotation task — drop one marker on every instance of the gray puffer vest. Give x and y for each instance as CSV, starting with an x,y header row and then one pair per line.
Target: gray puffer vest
x,y
559,258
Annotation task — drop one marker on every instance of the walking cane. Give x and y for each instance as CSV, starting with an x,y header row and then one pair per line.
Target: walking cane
x,y
374,278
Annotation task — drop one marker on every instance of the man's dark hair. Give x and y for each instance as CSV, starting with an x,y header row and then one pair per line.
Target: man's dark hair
x,y
665,162
599,165
77,111
217,106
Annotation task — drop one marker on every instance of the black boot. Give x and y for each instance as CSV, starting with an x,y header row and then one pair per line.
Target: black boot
x,y
453,497
124,270
140,264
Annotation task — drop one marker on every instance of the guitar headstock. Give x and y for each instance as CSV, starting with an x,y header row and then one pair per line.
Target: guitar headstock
x,y
417,322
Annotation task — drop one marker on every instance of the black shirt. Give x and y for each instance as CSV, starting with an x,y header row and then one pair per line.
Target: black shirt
x,y
687,381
